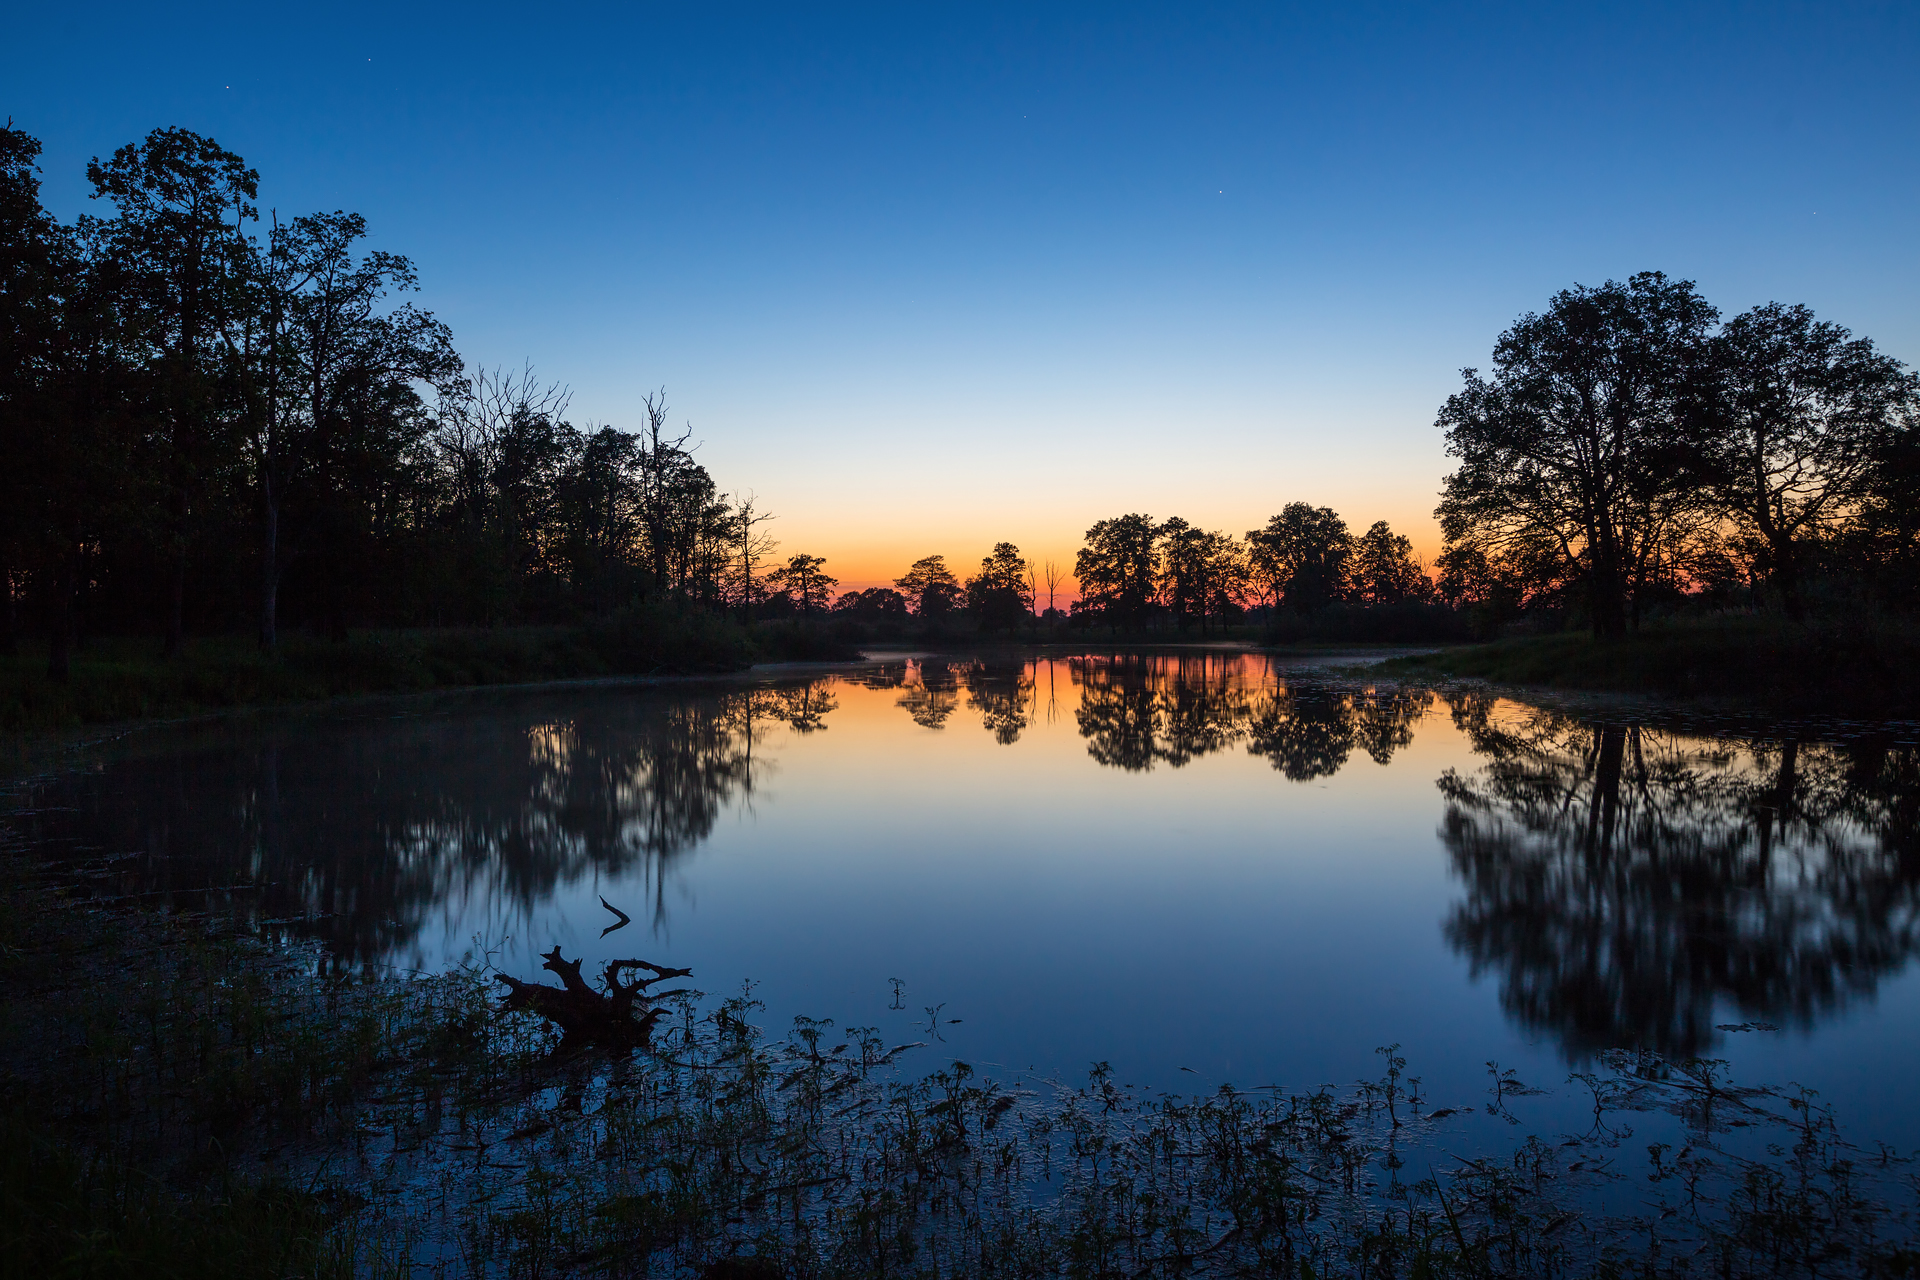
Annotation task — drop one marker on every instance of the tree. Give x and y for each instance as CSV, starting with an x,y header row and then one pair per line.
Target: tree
x,y
1118,570
875,604
801,578
1183,570
183,201
500,444
749,548
931,588
1578,441
325,368
598,530
999,595
32,272
1384,570
1050,574
1203,575
1797,415
1300,558
70,423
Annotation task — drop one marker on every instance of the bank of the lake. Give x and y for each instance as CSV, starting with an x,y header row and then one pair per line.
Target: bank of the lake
x,y
116,680
1861,665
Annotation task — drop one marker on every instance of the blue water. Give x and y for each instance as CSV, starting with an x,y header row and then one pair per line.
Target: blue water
x,y
1199,867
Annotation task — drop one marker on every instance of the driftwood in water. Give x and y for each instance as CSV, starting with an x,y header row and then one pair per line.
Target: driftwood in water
x,y
620,1018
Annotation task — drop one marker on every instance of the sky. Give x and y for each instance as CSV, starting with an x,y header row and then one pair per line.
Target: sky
x,y
927,277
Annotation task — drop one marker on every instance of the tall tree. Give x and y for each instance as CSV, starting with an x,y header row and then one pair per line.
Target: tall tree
x,y
1000,594
1203,575
1301,557
1118,570
805,581
1384,570
748,549
33,269
931,587
1578,440
325,363
1798,412
1050,574
500,444
69,422
183,203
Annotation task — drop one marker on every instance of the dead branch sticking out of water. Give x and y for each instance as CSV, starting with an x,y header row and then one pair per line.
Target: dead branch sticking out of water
x,y
621,1018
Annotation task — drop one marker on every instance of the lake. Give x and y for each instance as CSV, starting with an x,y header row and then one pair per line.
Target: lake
x,y
1201,866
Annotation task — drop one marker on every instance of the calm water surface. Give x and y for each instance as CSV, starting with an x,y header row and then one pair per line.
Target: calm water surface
x,y
1201,867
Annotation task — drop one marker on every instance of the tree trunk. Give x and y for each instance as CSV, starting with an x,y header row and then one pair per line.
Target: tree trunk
x,y
1603,814
1779,806
177,600
1786,576
269,572
9,622
60,624
1607,598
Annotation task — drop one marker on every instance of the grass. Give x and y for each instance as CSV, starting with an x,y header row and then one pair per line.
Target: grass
x,y
123,680
1860,664
183,1100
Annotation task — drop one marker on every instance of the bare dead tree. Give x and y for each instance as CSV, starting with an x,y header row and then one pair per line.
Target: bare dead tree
x,y
664,458
752,547
1053,577
477,419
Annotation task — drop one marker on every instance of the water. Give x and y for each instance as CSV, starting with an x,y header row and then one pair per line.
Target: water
x,y
1202,867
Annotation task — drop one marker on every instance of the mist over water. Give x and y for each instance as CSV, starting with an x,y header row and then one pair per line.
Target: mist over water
x,y
1200,866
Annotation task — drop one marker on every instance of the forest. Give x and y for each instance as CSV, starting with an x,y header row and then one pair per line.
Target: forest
x,y
219,422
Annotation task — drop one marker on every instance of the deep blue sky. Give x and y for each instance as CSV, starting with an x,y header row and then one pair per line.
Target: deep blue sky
x,y
930,276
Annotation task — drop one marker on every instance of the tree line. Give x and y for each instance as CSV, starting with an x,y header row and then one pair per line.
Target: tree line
x,y
217,419
1136,574
213,419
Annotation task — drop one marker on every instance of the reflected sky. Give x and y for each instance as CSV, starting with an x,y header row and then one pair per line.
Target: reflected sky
x,y
1197,865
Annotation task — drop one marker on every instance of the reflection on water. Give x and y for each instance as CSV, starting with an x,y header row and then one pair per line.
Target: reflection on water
x,y
1631,886
1137,711
361,832
1620,884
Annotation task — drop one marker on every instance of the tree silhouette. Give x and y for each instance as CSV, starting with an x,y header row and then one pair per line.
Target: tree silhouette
x,y
1000,595
182,200
1797,412
1118,571
1383,569
931,588
1576,447
1627,883
803,579
1301,556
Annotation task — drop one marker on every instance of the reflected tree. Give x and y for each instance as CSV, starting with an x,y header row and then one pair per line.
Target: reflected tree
x,y
931,692
1304,737
1630,886
1003,694
361,833
1137,711
803,708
